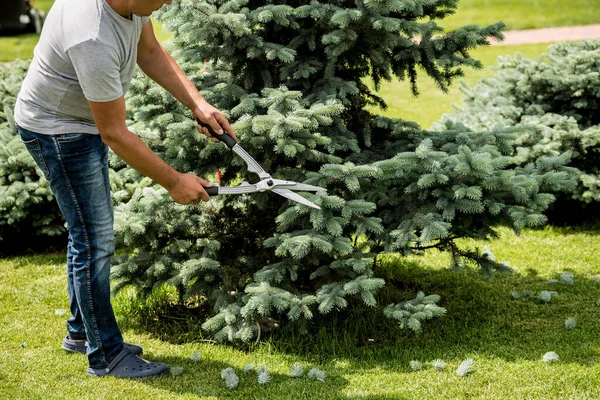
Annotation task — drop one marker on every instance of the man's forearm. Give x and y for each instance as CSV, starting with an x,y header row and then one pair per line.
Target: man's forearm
x,y
159,66
140,157
162,69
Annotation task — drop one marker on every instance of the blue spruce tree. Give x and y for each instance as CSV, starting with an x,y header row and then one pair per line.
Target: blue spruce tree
x,y
292,77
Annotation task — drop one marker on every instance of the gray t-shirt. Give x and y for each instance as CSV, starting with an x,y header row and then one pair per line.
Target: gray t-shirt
x,y
87,51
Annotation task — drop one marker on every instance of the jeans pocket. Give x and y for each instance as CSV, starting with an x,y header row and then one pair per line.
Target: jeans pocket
x,y
34,148
71,137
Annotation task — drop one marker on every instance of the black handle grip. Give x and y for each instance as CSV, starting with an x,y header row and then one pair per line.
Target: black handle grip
x,y
225,138
212,191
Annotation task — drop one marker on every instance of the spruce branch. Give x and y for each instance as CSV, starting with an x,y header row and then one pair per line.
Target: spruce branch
x,y
550,357
465,368
416,365
570,323
567,278
196,356
231,379
296,371
412,313
546,296
264,378
438,364
317,374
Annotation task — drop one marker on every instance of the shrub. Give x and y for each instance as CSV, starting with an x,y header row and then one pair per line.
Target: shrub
x,y
290,77
29,215
556,97
28,211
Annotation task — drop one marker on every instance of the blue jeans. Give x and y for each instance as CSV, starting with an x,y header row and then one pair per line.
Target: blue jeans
x,y
76,165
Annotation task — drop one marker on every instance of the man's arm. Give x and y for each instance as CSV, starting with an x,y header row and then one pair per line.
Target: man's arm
x,y
158,64
110,120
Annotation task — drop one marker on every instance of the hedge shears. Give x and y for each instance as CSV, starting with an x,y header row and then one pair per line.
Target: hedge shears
x,y
266,182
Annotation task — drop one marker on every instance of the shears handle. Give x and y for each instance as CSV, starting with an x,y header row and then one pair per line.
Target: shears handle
x,y
212,191
225,137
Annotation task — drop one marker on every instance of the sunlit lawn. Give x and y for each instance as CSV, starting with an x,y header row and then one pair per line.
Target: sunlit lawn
x,y
524,14
506,338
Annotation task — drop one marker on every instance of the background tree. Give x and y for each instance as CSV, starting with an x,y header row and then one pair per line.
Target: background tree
x,y
557,98
29,216
293,77
27,207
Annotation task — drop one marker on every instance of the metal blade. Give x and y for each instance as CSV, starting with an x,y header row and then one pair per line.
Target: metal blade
x,y
295,197
303,187
297,187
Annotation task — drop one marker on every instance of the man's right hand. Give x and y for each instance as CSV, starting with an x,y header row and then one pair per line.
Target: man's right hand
x,y
189,188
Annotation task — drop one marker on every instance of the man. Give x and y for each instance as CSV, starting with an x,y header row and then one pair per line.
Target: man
x,y
70,108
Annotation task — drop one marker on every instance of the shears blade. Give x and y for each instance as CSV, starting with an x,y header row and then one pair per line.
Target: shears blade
x,y
295,197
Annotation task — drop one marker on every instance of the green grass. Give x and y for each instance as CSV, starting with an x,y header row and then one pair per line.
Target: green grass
x,y
17,47
520,14
431,103
506,338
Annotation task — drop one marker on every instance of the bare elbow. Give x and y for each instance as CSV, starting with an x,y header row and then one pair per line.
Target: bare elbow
x,y
112,137
110,120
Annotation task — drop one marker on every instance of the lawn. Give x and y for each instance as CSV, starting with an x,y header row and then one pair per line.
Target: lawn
x,y
429,106
519,14
506,338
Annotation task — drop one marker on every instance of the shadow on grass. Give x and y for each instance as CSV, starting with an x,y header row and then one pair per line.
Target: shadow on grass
x,y
482,319
204,379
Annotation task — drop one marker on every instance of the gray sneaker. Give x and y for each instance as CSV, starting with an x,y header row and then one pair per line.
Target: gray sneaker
x,y
81,346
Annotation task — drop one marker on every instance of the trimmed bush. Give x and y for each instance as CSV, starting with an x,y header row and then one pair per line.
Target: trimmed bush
x,y
290,78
